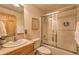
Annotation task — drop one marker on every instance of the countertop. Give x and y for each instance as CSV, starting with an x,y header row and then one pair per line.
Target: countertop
x,y
4,51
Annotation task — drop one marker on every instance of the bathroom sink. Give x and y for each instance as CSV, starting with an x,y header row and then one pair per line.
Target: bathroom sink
x,y
15,43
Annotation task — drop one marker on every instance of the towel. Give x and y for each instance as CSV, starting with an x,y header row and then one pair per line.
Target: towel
x,y
77,33
2,29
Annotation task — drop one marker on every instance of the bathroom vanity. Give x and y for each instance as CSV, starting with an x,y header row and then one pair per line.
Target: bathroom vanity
x,y
24,49
14,24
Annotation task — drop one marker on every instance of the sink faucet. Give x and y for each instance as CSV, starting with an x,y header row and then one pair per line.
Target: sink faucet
x,y
1,41
14,38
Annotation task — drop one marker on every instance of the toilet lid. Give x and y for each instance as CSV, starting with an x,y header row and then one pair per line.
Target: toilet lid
x,y
44,50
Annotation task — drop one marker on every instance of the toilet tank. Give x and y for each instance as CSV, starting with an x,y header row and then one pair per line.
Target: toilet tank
x,y
37,42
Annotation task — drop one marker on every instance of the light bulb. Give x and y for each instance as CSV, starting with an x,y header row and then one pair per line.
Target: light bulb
x,y
17,5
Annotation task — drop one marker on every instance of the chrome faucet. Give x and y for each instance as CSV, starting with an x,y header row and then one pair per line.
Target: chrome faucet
x,y
1,41
14,38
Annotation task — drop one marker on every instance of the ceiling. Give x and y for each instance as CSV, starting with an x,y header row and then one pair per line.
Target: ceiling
x,y
44,7
12,7
50,7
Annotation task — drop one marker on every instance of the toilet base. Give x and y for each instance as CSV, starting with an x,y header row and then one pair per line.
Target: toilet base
x,y
43,51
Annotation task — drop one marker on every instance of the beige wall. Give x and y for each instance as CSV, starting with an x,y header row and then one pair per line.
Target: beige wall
x,y
30,12
19,18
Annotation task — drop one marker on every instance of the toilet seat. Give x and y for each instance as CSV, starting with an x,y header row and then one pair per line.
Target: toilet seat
x,y
44,50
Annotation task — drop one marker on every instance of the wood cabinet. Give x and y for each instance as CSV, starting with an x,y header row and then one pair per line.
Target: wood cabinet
x,y
11,27
25,50
9,22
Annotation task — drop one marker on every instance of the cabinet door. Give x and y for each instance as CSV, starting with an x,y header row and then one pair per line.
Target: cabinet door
x,y
25,50
11,24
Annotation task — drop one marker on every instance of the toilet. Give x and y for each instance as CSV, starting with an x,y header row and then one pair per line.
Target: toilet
x,y
40,50
43,51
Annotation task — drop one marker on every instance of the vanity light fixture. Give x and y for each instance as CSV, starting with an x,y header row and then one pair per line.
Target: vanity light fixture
x,y
17,5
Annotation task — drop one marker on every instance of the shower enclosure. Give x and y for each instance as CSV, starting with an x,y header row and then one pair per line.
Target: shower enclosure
x,y
48,29
58,29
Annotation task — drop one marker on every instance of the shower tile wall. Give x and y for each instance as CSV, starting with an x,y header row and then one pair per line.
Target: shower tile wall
x,y
66,32
70,19
66,40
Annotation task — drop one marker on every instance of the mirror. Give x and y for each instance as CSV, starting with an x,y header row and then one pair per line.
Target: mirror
x,y
13,18
20,30
20,23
